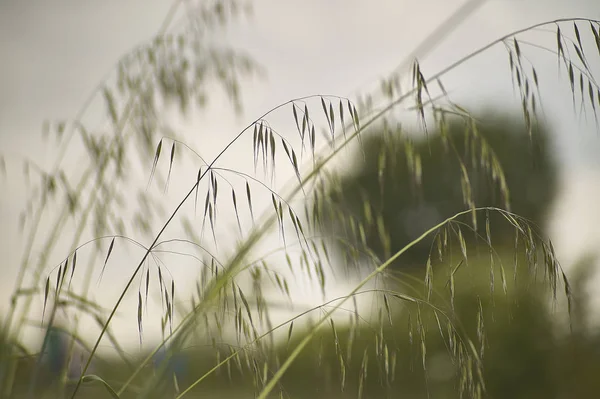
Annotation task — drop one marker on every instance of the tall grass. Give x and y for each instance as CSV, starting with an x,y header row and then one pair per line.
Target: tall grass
x,y
230,304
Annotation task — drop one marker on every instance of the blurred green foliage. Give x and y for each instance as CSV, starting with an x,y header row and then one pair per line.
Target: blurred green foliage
x,y
412,182
524,357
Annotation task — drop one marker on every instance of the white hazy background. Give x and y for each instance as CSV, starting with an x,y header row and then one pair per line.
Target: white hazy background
x,y
54,53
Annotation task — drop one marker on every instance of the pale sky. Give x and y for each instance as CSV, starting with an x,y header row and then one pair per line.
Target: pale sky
x,y
55,52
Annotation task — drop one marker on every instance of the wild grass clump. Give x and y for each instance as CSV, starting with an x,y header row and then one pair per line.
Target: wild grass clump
x,y
230,314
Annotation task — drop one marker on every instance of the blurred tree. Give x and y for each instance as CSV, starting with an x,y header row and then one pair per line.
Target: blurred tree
x,y
407,184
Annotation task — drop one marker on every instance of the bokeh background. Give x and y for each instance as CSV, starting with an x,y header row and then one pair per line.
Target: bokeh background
x,y
55,53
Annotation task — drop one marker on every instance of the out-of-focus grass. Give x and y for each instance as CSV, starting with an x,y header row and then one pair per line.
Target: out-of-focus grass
x,y
524,356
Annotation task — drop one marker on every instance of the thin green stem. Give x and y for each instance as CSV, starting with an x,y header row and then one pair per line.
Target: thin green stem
x,y
277,376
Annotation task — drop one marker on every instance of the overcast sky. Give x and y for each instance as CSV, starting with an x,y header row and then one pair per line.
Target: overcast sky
x,y
53,53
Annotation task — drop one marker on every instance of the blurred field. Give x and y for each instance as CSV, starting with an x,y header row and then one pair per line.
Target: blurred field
x,y
525,356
